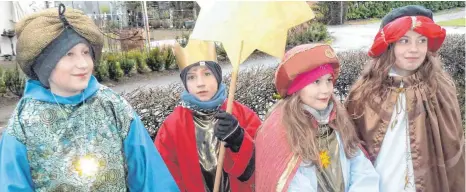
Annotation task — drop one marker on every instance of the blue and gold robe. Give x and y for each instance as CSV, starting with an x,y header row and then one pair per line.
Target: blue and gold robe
x,y
47,136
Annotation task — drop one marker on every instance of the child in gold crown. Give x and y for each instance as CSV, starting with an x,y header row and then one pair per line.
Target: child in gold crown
x,y
189,138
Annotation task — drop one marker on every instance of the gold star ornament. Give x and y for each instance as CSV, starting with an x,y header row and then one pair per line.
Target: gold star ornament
x,y
324,159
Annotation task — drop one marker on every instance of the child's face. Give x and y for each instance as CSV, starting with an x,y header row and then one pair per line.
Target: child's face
x,y
318,93
410,53
201,83
73,71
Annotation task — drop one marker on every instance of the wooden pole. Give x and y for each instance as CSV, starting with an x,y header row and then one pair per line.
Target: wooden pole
x,y
146,23
231,98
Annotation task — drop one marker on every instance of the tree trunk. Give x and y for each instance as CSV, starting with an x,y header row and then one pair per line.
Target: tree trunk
x,y
341,12
337,12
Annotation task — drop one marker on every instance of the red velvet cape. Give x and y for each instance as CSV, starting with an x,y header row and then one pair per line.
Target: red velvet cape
x,y
176,142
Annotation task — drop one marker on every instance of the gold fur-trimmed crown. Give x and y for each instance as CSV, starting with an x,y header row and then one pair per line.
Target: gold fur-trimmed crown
x,y
195,51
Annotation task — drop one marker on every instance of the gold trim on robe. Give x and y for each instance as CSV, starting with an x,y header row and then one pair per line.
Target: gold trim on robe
x,y
330,179
435,129
208,147
286,174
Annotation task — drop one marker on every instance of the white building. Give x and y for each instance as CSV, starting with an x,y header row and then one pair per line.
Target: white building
x,y
107,10
6,23
11,12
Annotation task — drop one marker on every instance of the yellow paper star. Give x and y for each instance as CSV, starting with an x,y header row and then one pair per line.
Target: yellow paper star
x,y
324,159
259,25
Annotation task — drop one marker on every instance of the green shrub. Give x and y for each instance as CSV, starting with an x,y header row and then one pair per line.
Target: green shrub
x,y
127,65
101,71
112,57
378,9
114,69
15,81
307,33
140,59
2,82
169,57
321,11
161,58
153,59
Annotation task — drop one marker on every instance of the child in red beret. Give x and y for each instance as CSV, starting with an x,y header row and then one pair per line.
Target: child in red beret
x,y
308,142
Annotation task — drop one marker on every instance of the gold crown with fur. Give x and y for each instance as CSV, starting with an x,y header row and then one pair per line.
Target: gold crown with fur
x,y
194,52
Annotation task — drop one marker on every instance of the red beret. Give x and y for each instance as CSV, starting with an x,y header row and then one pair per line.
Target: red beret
x,y
303,58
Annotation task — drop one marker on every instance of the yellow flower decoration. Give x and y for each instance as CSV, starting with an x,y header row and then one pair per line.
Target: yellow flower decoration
x,y
324,159
277,96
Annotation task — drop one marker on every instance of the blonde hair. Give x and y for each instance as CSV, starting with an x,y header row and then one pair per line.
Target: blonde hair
x,y
301,133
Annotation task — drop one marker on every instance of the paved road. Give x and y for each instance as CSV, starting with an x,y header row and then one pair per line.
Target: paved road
x,y
347,37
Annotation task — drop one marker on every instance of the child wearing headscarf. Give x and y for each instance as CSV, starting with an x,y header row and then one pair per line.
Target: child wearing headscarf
x,y
68,132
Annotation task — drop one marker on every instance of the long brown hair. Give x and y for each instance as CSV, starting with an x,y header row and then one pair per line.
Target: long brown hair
x,y
301,133
371,81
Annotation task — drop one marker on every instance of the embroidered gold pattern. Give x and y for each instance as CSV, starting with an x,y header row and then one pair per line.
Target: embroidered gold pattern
x,y
329,53
418,24
415,23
